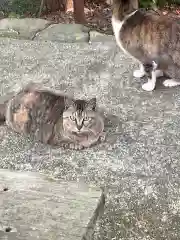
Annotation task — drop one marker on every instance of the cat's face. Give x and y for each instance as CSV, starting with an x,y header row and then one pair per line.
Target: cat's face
x,y
79,116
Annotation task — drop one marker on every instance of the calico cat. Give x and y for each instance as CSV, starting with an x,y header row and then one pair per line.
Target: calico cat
x,y
147,36
53,119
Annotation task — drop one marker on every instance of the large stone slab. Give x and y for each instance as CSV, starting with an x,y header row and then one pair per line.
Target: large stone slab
x,y
139,162
66,33
25,28
33,206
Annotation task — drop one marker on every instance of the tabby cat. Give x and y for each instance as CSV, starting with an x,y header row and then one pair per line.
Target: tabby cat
x,y
148,36
53,119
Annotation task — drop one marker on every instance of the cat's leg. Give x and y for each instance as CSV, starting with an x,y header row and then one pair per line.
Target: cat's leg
x,y
150,85
171,83
139,72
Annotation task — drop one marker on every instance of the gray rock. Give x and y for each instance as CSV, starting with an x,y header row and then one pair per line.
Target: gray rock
x,y
9,33
22,28
139,162
33,206
66,33
99,37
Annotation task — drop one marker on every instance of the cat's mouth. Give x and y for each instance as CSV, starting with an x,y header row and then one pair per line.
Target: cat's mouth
x,y
80,133
77,133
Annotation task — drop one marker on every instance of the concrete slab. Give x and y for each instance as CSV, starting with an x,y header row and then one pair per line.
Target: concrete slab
x,y
139,164
33,206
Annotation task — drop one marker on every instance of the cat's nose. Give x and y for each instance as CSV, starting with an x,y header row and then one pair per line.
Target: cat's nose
x,y
79,127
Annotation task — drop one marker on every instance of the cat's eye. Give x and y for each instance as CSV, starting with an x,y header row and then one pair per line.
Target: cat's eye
x,y
86,118
72,118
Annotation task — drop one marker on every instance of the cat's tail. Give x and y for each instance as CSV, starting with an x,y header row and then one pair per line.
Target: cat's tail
x,y
3,105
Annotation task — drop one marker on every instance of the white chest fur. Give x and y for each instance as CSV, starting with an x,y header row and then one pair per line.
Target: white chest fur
x,y
117,25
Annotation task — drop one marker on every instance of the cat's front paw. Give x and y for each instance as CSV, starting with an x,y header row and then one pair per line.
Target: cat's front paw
x,y
171,83
75,146
138,73
149,86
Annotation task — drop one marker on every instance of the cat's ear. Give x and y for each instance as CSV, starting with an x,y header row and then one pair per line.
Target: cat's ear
x,y
68,102
91,104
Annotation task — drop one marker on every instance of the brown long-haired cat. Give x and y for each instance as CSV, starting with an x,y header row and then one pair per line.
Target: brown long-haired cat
x,y
149,37
52,118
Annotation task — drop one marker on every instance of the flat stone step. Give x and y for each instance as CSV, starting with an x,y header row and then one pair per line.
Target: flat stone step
x,y
25,28
64,33
33,206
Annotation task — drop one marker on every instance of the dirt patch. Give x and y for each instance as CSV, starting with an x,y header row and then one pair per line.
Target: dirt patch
x,y
98,15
